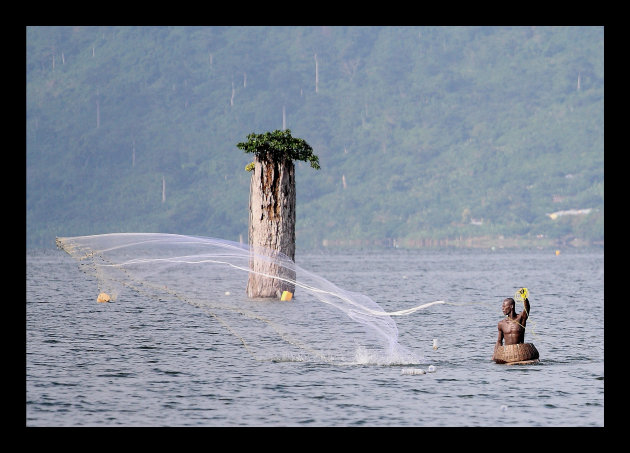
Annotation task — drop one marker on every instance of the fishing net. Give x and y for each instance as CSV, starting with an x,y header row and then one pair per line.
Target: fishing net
x,y
319,322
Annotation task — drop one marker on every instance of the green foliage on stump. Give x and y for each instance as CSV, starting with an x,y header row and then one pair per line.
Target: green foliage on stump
x,y
277,146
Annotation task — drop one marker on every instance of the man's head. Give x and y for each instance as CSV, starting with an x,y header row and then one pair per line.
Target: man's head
x,y
508,305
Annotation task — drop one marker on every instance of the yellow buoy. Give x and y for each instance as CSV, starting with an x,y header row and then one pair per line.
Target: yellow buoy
x,y
286,295
557,252
103,297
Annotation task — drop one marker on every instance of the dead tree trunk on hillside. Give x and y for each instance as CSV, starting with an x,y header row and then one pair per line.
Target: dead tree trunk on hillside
x,y
271,227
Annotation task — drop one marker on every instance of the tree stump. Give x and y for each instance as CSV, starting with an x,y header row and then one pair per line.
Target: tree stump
x,y
271,227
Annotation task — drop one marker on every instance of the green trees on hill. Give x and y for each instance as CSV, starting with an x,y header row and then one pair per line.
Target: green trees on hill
x,y
422,132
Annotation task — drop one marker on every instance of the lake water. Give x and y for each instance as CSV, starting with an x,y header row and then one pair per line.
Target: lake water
x,y
137,363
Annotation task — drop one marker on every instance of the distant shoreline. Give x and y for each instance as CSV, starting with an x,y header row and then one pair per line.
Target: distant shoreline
x,y
478,242
475,242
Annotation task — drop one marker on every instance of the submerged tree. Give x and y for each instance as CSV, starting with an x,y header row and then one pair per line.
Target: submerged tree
x,y
272,206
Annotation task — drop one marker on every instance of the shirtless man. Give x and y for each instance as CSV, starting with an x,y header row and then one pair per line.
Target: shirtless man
x,y
512,327
512,330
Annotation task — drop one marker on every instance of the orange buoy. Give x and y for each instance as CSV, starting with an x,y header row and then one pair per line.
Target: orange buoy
x,y
103,298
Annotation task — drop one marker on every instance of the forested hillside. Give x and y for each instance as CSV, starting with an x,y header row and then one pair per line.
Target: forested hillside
x,y
424,134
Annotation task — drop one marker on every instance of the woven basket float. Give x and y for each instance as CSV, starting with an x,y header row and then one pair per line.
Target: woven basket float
x,y
515,353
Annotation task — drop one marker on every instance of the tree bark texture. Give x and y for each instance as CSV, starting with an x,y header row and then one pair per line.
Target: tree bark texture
x,y
271,227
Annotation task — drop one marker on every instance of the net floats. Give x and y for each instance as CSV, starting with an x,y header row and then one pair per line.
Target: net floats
x,y
413,371
431,369
103,298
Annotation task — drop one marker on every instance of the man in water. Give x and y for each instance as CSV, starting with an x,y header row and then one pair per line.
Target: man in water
x,y
512,327
512,330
